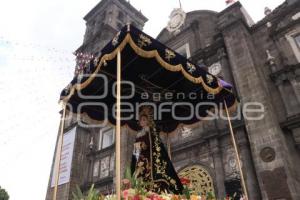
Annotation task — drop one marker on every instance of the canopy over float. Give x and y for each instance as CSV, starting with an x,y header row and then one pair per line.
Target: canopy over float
x,y
159,76
134,69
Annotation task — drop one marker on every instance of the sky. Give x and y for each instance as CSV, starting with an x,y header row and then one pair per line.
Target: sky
x,y
37,38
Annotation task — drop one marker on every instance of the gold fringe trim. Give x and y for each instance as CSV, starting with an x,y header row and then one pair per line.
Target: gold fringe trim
x,y
145,54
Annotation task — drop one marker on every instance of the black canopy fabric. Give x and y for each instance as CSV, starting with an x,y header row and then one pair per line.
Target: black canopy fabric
x,y
179,91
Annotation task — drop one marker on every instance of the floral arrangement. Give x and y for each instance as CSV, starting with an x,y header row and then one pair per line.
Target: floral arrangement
x,y
136,194
131,194
136,189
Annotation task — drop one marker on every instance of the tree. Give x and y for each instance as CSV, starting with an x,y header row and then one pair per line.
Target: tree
x,y
3,194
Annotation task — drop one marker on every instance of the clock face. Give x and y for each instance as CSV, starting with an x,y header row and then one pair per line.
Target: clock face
x,y
175,22
177,19
215,68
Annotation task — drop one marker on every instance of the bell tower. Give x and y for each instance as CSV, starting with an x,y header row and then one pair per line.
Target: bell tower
x,y
105,20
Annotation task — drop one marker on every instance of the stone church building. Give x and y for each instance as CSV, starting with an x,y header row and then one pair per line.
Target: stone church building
x,y
261,60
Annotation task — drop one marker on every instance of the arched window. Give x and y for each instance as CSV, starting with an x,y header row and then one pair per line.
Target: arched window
x,y
106,138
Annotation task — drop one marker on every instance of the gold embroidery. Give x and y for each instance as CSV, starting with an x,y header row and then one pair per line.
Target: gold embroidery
x,y
160,164
169,54
191,67
143,41
143,167
209,78
173,181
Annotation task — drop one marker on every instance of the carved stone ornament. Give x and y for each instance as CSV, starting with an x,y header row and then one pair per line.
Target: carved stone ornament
x,y
215,69
177,19
296,16
267,154
186,132
232,162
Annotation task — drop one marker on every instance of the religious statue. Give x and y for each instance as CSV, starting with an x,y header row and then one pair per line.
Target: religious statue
x,y
150,160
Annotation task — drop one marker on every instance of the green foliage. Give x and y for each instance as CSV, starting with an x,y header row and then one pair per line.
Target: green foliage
x,y
127,174
91,195
186,192
210,196
3,194
137,183
140,189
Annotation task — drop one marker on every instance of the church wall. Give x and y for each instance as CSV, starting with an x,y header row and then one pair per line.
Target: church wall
x,y
282,88
243,57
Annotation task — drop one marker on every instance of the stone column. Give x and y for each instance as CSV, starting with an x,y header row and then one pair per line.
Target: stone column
x,y
219,170
247,166
198,39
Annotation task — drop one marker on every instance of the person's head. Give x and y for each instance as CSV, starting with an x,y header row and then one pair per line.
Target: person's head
x,y
144,121
146,117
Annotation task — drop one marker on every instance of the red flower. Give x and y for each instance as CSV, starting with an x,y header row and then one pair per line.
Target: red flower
x,y
155,197
185,181
137,197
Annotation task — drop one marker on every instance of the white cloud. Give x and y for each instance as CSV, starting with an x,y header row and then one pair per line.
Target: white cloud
x,y
37,62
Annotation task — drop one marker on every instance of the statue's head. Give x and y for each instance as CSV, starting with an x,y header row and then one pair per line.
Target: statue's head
x,y
146,117
144,121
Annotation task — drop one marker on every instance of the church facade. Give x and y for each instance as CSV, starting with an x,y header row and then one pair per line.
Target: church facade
x,y
261,60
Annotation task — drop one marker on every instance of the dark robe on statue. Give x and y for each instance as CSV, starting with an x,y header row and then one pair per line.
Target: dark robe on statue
x,y
150,161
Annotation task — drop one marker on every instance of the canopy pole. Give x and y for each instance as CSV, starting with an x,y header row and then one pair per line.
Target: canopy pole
x,y
236,152
58,151
118,128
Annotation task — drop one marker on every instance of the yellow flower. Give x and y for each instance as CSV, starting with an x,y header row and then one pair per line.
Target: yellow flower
x,y
194,197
